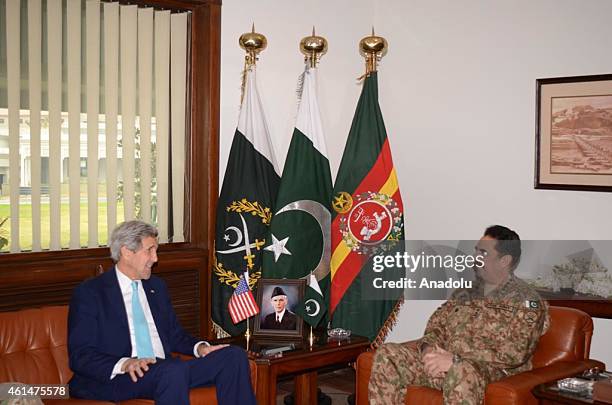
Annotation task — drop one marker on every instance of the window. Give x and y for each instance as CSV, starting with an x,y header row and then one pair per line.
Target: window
x,y
93,121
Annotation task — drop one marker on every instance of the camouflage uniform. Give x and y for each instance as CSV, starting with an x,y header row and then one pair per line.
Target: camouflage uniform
x,y
494,336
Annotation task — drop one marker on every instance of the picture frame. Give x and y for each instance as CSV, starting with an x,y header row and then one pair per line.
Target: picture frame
x,y
574,133
269,295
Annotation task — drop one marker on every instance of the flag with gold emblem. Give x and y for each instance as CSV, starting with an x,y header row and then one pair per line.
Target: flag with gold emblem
x,y
244,208
368,211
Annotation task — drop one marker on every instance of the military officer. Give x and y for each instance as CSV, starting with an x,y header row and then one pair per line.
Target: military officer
x,y
478,336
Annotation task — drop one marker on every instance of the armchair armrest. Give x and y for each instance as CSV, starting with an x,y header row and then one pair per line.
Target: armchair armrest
x,y
516,389
363,369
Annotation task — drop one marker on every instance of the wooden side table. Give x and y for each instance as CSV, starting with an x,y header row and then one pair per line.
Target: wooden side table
x,y
302,362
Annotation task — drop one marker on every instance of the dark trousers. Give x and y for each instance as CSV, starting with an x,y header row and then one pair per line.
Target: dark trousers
x,y
169,381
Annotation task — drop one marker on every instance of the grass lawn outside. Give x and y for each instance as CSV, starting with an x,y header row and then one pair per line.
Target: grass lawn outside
x,y
25,223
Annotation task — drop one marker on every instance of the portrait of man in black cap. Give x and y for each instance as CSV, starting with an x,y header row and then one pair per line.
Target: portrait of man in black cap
x,y
282,318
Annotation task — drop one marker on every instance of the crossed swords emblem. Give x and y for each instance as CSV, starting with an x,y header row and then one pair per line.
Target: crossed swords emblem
x,y
246,246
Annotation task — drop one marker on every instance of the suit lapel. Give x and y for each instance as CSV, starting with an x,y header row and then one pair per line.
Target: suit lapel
x,y
153,299
116,304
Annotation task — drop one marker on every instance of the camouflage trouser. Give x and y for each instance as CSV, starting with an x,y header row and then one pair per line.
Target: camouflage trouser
x,y
396,366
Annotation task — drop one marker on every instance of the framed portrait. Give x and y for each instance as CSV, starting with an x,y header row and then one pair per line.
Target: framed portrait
x,y
277,300
574,133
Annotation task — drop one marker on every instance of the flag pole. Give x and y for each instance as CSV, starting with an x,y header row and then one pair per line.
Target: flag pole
x,y
253,43
311,337
313,47
247,334
373,48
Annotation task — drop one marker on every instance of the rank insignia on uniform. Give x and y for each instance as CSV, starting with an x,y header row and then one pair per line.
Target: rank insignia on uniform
x,y
531,304
502,307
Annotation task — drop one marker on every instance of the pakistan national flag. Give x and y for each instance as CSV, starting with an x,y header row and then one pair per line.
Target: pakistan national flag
x,y
300,234
245,206
312,308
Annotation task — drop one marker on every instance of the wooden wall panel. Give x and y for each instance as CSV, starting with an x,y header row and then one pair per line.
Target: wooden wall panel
x,y
40,284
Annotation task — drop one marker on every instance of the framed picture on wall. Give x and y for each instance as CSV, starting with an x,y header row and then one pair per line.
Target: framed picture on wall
x,y
574,133
277,300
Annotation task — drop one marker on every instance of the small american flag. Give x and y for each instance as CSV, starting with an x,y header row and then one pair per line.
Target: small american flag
x,y
242,304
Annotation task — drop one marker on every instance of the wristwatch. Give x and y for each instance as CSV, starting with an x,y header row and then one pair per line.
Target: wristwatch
x,y
456,358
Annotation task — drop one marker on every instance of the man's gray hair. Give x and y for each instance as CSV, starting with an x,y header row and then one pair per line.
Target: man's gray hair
x,y
129,234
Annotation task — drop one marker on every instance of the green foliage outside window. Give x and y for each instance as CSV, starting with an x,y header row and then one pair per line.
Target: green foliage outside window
x,y
3,233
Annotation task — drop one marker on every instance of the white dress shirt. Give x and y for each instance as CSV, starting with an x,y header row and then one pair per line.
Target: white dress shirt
x,y
279,317
125,284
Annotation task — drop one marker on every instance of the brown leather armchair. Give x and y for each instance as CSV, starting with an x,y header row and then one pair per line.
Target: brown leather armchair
x,y
563,351
33,350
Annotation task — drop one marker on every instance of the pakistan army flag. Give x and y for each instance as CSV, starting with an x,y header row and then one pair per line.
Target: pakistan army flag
x,y
368,213
244,208
300,234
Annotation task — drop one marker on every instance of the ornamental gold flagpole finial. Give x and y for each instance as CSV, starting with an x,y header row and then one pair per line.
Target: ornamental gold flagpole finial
x,y
372,48
253,43
313,47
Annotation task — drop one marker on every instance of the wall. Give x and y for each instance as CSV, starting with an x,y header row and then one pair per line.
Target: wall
x,y
457,90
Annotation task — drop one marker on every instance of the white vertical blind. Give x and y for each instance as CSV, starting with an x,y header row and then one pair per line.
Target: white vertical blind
x,y
111,97
178,75
92,13
128,105
73,43
34,69
162,117
13,78
142,120
145,83
54,90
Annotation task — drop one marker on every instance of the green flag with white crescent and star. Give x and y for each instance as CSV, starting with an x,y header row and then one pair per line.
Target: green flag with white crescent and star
x,y
312,308
299,242
244,208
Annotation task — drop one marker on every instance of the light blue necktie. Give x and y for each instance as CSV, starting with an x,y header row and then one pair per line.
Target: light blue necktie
x,y
144,347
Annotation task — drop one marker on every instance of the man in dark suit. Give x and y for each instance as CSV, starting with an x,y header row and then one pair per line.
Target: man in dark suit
x,y
122,330
282,318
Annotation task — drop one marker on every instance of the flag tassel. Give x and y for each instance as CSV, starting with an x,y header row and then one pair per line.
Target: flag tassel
x,y
387,326
219,331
